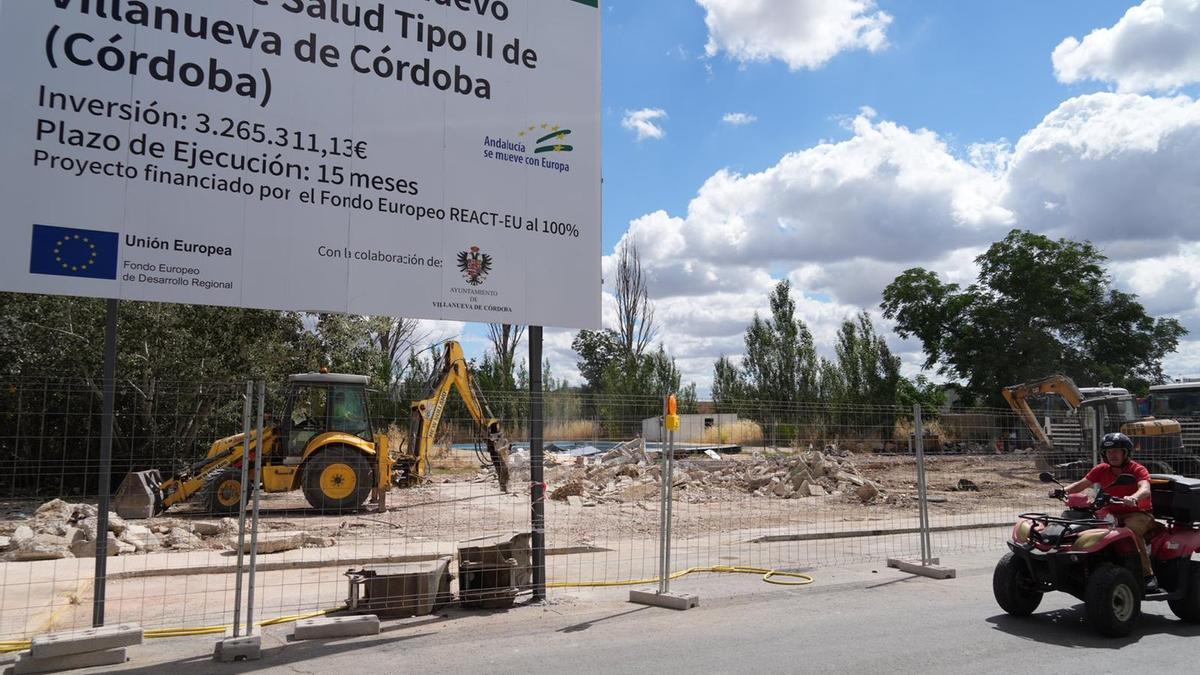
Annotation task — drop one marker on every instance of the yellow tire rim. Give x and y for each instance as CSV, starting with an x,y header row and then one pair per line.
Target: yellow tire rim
x,y
338,481
229,492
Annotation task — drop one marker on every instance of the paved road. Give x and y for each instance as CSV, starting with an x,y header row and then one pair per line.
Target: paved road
x,y
857,619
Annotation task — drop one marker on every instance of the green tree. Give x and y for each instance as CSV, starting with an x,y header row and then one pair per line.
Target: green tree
x,y
729,388
868,372
781,360
596,350
1038,306
180,370
931,396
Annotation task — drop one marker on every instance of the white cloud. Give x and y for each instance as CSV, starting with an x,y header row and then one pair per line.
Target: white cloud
x,y
1155,46
841,219
1110,168
737,119
877,195
801,33
644,123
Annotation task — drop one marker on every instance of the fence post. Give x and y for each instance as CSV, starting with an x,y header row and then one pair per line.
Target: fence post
x,y
667,479
257,478
241,547
922,485
663,596
928,565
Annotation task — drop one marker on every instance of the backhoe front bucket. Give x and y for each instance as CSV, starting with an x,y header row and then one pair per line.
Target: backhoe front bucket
x,y
139,496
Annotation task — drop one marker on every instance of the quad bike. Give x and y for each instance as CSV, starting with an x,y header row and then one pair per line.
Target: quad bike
x,y
1085,553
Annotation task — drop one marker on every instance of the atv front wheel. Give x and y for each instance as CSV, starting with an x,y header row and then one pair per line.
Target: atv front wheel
x,y
1113,600
1187,608
1013,587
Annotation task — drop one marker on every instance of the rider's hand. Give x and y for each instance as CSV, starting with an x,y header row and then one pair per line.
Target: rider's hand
x,y
1129,501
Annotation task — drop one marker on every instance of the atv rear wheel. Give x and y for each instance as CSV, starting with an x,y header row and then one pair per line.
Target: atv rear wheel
x,y
1013,587
1187,608
224,492
1113,600
337,479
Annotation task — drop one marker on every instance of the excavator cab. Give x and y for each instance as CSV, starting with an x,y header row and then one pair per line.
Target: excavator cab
x,y
321,402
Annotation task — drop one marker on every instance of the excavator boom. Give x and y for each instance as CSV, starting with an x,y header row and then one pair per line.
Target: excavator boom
x,y
427,416
1017,397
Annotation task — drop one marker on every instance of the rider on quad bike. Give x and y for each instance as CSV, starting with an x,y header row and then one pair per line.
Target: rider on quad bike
x,y
1085,553
1131,503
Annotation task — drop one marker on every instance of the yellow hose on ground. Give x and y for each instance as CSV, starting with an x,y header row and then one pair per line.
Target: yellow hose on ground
x,y
768,575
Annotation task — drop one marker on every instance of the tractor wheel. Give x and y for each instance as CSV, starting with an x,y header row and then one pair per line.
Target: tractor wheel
x,y
1013,587
224,492
1187,608
337,479
1112,600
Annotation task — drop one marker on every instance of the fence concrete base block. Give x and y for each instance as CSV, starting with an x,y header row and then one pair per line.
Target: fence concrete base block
x,y
26,663
247,648
668,600
325,627
82,641
932,570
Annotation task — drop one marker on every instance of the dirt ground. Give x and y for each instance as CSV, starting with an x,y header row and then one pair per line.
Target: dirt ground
x,y
458,507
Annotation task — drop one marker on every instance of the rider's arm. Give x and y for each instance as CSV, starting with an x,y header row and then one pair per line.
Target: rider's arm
x,y
1143,492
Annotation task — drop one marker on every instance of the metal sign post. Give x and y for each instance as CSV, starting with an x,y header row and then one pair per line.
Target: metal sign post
x,y
106,434
537,478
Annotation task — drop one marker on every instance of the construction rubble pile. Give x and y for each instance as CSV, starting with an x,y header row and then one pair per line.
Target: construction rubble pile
x,y
628,474
60,529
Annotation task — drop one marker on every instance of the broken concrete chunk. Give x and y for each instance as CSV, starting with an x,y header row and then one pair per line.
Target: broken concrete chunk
x,y
206,528
40,547
575,500
866,493
22,533
84,545
816,490
180,539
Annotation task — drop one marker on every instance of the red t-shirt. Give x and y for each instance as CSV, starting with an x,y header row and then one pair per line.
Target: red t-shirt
x,y
1105,475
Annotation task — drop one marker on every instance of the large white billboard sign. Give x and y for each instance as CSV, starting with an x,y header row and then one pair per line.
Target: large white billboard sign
x,y
421,158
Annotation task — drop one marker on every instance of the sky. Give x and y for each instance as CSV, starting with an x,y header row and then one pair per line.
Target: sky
x,y
836,143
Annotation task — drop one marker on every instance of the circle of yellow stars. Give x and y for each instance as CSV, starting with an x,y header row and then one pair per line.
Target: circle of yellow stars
x,y
58,245
545,127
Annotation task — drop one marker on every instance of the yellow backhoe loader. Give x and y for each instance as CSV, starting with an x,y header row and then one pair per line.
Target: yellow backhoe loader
x,y
324,446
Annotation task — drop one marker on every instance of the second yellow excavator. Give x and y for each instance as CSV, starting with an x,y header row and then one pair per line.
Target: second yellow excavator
x,y
1158,441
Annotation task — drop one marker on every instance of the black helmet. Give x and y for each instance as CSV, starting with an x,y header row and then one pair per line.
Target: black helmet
x,y
1117,440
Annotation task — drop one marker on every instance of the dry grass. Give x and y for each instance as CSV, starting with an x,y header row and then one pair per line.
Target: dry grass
x,y
740,432
904,428
574,430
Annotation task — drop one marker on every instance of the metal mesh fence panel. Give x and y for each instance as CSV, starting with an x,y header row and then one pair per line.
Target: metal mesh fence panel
x,y
783,485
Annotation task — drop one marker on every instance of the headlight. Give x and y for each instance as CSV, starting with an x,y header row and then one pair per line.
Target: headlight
x,y
1021,531
1089,539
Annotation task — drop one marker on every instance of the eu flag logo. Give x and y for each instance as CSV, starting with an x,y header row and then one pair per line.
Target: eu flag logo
x,y
70,252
